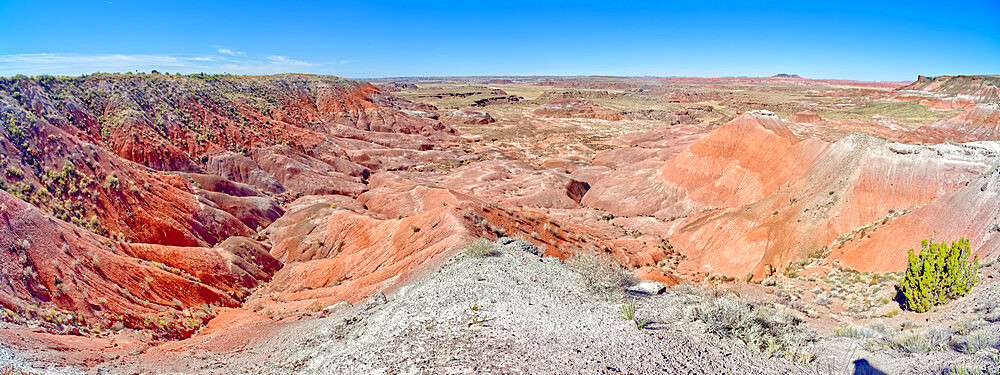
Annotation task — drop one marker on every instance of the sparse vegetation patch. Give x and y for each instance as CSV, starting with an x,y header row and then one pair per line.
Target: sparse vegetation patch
x,y
600,272
773,331
481,248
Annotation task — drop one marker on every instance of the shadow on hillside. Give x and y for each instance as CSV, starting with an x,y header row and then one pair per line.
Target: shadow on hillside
x,y
862,367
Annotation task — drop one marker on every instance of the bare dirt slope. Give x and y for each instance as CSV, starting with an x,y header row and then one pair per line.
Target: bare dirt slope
x,y
216,223
518,313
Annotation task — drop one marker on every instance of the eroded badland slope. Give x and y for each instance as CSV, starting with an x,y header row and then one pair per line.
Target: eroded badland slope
x,y
217,224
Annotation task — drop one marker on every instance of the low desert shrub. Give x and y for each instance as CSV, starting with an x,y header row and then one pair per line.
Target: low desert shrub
x,y
938,273
871,331
774,332
14,172
920,342
823,299
6,370
990,367
481,248
601,272
983,338
966,325
111,182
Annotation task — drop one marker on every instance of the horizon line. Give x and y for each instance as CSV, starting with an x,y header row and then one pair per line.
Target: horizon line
x,y
479,76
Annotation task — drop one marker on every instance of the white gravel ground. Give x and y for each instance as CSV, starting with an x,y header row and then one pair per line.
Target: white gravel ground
x,y
536,315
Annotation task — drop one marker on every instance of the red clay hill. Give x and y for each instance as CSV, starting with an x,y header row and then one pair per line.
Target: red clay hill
x,y
141,201
142,208
135,199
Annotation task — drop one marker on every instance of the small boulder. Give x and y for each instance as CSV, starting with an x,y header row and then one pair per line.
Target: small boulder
x,y
648,287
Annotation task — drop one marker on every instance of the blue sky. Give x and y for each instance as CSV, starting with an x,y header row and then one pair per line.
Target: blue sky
x,y
836,39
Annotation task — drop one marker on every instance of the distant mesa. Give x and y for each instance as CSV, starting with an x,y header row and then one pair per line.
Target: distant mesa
x,y
952,84
396,86
977,88
786,75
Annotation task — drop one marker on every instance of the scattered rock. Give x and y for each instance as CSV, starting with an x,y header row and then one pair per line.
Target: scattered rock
x,y
470,116
339,306
648,287
763,112
522,245
376,300
502,241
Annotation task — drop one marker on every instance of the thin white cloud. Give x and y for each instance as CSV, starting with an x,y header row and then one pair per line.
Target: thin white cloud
x,y
288,61
76,64
227,51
